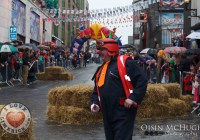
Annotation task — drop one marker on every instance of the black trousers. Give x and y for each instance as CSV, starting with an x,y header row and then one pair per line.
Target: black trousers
x,y
120,127
3,72
84,63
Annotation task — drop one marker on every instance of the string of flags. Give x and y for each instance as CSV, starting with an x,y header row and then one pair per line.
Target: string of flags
x,y
85,15
122,19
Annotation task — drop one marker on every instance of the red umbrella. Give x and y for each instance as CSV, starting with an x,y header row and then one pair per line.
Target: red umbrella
x,y
174,50
49,44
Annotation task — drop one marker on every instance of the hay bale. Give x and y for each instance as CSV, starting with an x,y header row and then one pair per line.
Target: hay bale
x,y
71,115
153,95
60,76
55,96
173,89
176,107
188,100
74,115
41,76
52,113
77,96
54,70
82,96
160,110
26,135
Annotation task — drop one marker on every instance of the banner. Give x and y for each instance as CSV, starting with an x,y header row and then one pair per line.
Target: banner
x,y
172,19
171,4
172,25
34,26
19,16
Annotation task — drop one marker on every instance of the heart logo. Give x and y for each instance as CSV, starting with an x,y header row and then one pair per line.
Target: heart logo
x,y
15,119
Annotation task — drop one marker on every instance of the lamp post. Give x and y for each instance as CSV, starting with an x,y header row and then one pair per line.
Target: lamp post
x,y
193,12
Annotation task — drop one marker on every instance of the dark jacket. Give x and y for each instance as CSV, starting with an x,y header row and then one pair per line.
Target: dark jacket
x,y
187,44
184,65
25,59
116,117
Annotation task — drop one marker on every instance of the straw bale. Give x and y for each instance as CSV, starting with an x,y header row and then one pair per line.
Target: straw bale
x,y
173,89
71,115
160,110
54,70
153,95
74,115
41,76
177,107
53,113
188,100
55,95
60,76
82,96
63,76
77,96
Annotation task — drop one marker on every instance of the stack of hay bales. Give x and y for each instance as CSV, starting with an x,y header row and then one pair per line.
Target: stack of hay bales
x,y
71,105
26,135
164,100
54,73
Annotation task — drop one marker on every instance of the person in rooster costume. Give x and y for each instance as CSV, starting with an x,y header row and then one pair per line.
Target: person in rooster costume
x,y
120,86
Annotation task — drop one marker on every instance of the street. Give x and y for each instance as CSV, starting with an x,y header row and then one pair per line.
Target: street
x,y
35,98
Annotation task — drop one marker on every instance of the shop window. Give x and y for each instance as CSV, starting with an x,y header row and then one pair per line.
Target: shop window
x,y
56,30
63,31
63,3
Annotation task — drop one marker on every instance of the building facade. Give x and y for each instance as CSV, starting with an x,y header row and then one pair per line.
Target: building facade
x,y
29,23
65,32
165,20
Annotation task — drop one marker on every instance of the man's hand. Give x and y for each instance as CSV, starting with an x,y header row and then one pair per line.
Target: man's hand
x,y
94,109
128,103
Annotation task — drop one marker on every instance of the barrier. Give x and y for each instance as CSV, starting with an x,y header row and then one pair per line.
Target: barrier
x,y
5,81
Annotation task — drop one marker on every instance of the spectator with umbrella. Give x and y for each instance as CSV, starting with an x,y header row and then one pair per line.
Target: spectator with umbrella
x,y
25,66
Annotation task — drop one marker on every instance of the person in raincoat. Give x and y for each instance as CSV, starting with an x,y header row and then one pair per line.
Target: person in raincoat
x,y
110,96
172,71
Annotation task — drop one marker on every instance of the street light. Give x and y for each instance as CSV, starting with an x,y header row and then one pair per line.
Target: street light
x,y
186,1
192,11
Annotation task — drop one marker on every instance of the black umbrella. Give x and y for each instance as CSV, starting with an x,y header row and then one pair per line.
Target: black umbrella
x,y
149,51
128,46
192,51
35,48
60,48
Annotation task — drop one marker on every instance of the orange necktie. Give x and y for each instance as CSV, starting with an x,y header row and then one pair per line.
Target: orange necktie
x,y
103,74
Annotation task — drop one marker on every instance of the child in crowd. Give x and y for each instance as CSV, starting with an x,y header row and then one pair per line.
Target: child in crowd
x,y
171,71
164,68
12,62
196,89
187,84
152,67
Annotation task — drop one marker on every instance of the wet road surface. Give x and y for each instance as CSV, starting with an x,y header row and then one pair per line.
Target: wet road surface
x,y
35,98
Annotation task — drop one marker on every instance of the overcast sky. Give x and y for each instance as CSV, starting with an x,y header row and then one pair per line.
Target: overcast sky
x,y
121,31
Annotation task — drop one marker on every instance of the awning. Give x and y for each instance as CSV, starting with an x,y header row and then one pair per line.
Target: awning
x,y
194,35
56,38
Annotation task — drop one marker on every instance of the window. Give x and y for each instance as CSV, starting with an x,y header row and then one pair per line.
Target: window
x,y
69,4
69,34
63,31
56,30
63,3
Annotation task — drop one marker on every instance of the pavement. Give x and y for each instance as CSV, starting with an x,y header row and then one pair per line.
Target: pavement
x,y
35,98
